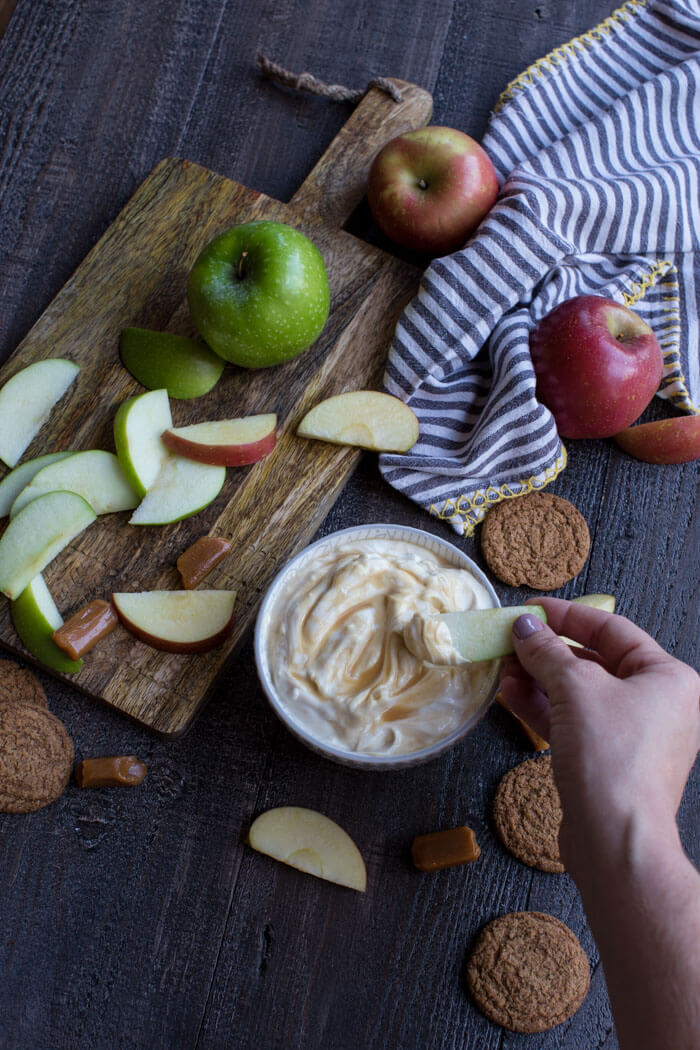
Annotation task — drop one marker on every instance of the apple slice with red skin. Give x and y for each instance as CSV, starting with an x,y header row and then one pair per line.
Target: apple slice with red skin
x,y
366,418
663,441
225,442
178,621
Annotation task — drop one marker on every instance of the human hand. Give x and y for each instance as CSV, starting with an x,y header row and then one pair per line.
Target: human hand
x,y
622,717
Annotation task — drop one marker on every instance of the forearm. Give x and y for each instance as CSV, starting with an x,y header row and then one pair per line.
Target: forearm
x,y
642,899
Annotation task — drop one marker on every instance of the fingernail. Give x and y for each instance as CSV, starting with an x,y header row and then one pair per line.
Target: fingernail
x,y
526,625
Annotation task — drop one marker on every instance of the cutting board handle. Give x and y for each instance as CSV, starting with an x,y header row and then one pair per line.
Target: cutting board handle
x,y
337,183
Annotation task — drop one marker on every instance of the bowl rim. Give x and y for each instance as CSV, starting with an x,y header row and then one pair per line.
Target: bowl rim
x,y
343,756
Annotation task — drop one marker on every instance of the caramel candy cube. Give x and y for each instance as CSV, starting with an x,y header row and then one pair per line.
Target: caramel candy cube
x,y
199,559
445,849
124,770
85,628
538,742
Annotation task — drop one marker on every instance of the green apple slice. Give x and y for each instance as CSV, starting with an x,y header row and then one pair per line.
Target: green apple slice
x,y
183,487
14,482
366,418
36,535
95,475
310,842
35,618
487,634
138,426
26,401
178,621
606,602
182,366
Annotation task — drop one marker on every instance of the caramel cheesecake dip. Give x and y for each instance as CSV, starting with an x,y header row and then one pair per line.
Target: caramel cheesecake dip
x,y
353,654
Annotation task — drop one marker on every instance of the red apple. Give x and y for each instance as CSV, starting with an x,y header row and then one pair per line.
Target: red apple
x,y
663,441
177,621
598,365
224,442
428,190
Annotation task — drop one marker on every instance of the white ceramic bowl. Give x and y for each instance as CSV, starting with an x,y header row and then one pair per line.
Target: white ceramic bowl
x,y
446,550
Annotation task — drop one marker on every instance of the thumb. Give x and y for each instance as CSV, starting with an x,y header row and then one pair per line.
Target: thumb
x,y
540,651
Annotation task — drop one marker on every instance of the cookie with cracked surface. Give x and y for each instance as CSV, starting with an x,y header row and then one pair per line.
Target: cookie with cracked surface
x,y
18,683
527,972
527,814
538,540
36,757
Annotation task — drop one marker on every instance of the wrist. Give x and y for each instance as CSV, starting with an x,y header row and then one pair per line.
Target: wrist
x,y
624,850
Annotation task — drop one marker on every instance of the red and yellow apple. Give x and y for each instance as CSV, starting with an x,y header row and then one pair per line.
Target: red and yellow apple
x,y
598,365
663,441
428,190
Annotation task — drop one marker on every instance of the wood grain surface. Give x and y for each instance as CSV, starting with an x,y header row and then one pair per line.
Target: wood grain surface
x,y
137,275
134,919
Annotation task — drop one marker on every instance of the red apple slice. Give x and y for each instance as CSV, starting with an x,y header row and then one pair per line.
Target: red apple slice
x,y
366,418
178,621
663,441
225,442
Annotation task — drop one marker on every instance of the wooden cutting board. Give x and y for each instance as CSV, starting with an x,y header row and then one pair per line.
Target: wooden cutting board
x,y
137,275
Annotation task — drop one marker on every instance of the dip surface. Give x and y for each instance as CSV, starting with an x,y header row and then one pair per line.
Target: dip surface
x,y
349,652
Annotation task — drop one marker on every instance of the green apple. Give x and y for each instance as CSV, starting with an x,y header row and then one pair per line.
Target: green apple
x,y
36,535
26,401
486,634
259,294
138,426
35,618
95,475
184,367
311,842
12,485
178,621
183,487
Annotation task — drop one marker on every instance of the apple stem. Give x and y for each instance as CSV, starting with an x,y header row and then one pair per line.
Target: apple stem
x,y
422,184
240,269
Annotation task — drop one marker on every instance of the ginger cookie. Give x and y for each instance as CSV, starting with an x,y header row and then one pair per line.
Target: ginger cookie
x,y
539,541
528,972
36,757
18,683
527,814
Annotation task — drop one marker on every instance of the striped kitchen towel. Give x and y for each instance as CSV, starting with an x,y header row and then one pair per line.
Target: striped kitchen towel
x,y
597,147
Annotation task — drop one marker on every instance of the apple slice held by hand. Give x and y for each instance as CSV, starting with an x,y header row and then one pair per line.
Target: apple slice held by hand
x,y
310,842
138,426
184,367
366,418
663,441
182,488
178,621
36,535
95,475
226,442
606,602
486,634
26,401
35,618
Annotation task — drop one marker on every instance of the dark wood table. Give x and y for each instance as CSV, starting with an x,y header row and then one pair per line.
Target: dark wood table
x,y
138,918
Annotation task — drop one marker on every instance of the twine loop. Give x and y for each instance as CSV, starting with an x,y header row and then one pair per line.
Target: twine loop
x,y
308,82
